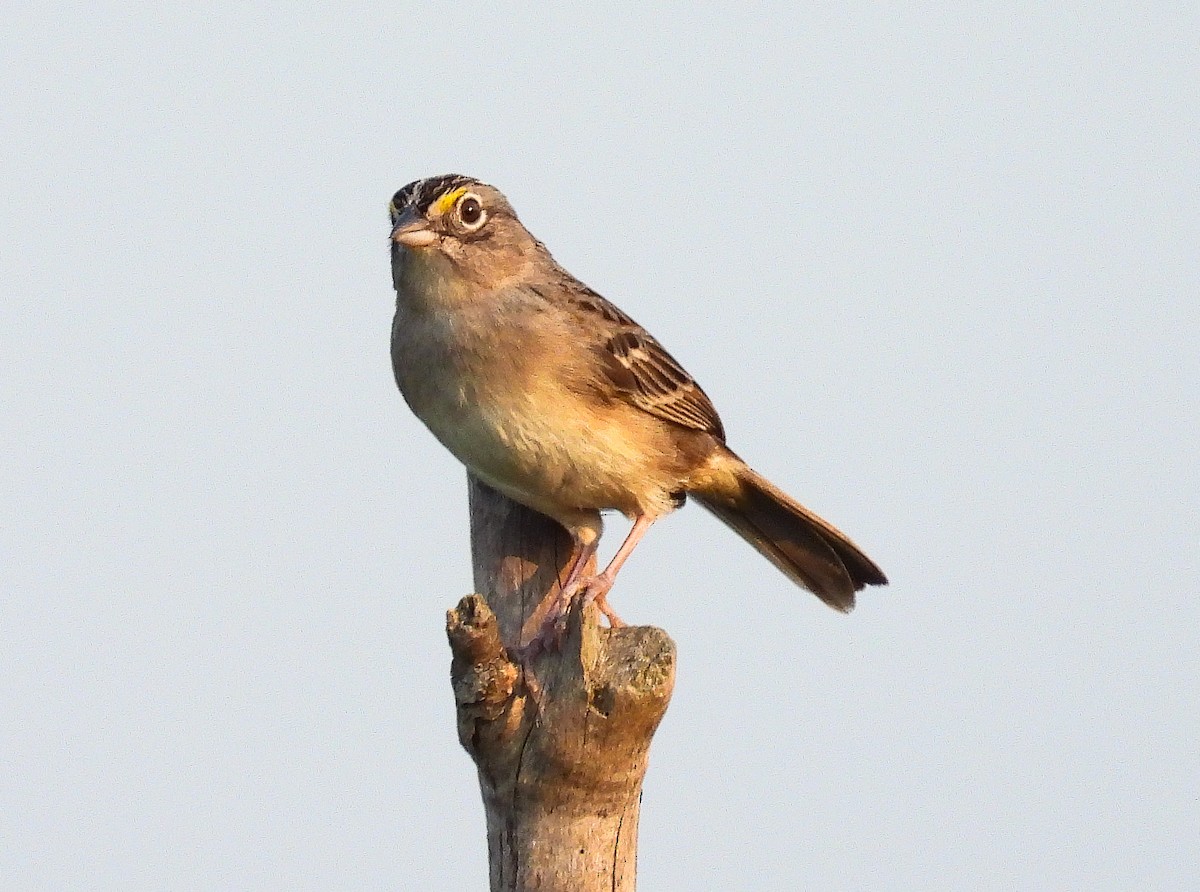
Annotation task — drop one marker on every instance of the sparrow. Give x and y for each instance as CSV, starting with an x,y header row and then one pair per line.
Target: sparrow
x,y
556,398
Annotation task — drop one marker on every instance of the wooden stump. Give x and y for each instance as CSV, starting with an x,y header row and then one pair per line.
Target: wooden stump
x,y
560,744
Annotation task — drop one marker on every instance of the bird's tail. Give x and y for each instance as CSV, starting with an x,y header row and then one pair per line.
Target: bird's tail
x,y
810,551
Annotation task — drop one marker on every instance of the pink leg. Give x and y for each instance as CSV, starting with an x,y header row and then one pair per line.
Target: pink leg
x,y
614,621
597,588
584,555
554,622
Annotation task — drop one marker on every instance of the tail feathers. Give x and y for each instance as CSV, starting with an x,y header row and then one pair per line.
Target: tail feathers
x,y
809,550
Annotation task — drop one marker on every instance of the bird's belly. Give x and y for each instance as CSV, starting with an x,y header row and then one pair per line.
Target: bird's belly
x,y
518,421
549,451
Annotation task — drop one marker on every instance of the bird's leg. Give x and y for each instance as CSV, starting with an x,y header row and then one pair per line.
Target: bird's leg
x,y
614,621
595,590
584,554
597,587
553,623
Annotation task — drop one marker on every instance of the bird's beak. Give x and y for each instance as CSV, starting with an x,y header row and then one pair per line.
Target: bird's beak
x,y
413,231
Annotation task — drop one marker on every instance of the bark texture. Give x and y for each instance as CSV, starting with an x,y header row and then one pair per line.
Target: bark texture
x,y
561,742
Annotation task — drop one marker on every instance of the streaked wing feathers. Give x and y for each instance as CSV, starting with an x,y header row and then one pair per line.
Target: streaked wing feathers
x,y
642,371
655,382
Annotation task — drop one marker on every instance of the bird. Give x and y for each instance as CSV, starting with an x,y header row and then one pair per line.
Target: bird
x,y
551,395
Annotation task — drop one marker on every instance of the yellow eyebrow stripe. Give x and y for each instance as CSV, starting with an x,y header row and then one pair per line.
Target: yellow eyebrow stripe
x,y
443,204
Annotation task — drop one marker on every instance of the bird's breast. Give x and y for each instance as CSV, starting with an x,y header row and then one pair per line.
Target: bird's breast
x,y
510,407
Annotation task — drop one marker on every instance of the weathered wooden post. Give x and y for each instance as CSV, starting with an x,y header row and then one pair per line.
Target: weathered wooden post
x,y
560,755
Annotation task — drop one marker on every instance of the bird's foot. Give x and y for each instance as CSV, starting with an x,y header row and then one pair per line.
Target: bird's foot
x,y
554,624
596,592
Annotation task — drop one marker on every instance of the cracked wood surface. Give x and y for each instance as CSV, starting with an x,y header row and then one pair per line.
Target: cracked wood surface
x,y
560,744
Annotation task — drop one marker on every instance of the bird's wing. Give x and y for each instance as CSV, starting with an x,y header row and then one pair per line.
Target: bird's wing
x,y
644,373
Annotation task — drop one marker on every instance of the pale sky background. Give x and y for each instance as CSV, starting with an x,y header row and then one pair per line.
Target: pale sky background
x,y
938,269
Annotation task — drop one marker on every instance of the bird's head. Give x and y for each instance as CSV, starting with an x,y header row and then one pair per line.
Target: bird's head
x,y
456,233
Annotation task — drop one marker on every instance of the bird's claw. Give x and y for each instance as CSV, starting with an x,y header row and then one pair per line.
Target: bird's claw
x,y
595,591
554,624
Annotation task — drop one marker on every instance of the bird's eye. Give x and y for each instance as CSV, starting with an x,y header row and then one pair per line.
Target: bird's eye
x,y
470,211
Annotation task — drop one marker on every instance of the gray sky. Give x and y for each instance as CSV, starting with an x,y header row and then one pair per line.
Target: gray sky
x,y
937,269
